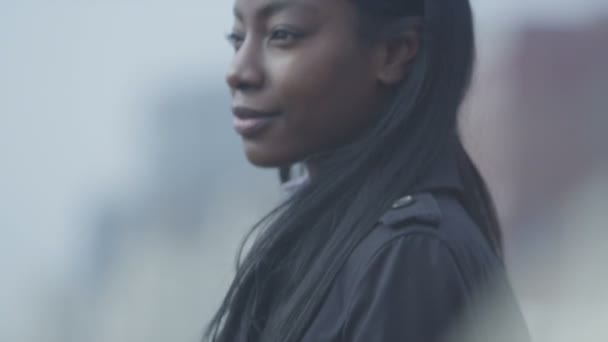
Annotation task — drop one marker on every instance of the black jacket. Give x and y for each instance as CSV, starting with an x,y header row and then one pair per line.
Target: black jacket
x,y
422,276
425,274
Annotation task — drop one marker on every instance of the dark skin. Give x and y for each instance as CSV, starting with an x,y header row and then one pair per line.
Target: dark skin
x,y
302,80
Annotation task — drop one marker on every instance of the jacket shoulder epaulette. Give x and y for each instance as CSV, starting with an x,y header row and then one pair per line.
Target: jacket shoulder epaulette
x,y
421,208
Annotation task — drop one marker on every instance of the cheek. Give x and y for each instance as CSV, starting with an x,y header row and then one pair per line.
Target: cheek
x,y
327,92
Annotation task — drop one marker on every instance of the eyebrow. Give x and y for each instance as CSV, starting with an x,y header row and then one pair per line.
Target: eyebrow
x,y
275,7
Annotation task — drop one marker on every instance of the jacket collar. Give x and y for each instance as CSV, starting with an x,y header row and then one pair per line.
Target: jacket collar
x,y
444,172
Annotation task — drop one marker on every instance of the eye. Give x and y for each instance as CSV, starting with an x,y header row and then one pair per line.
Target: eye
x,y
235,39
283,36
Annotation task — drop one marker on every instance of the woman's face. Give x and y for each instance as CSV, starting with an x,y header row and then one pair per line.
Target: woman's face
x,y
301,80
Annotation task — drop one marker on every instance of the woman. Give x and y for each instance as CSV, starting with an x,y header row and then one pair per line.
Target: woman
x,y
393,236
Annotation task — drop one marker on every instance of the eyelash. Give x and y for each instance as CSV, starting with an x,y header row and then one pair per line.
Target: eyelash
x,y
235,39
284,36
287,34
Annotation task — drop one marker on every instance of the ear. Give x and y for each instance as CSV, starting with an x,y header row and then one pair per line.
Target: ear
x,y
394,55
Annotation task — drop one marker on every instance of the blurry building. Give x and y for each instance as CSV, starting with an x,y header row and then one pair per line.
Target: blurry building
x,y
559,114
161,253
543,110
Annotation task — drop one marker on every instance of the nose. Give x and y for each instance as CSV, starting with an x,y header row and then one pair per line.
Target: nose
x,y
245,72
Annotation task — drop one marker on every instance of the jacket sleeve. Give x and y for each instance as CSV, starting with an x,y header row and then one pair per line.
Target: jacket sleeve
x,y
411,290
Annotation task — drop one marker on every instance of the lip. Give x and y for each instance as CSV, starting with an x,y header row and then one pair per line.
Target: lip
x,y
250,122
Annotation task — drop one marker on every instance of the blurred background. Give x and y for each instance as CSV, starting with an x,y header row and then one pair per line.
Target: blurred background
x,y
124,193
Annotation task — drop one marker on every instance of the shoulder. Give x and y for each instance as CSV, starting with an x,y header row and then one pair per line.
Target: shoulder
x,y
416,273
411,278
425,232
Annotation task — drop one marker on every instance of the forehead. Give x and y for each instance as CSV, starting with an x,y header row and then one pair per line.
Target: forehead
x,y
268,8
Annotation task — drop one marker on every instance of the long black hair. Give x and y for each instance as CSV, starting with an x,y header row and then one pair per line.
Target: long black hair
x,y
302,244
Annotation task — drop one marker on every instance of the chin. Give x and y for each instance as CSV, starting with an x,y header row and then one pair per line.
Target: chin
x,y
267,158
266,161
